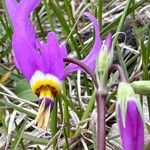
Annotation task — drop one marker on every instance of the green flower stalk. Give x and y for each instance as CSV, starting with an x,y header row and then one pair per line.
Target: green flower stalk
x,y
141,87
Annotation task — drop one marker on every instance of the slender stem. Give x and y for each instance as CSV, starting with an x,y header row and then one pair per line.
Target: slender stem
x,y
122,21
121,61
115,41
118,67
84,67
66,111
101,126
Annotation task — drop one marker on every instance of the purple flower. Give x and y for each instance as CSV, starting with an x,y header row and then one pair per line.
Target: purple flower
x,y
130,120
42,63
91,59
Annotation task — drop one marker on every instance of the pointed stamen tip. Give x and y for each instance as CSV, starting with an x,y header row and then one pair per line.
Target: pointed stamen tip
x,y
47,102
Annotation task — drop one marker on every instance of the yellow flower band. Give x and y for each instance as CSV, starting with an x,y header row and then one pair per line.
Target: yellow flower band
x,y
40,80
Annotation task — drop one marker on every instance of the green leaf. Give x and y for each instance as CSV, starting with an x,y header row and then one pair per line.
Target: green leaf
x,y
23,90
15,143
22,85
28,95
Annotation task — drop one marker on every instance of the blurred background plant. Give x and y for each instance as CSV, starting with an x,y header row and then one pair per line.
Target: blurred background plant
x,y
73,119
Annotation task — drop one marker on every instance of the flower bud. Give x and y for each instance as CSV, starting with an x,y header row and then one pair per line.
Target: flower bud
x,y
105,59
130,118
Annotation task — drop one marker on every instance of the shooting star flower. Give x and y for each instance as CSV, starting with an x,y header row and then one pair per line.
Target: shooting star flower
x,y
42,63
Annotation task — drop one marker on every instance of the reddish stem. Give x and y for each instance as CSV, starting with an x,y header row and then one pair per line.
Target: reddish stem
x,y
84,67
121,73
101,125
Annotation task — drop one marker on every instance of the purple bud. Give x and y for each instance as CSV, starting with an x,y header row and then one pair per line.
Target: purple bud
x,y
132,132
108,42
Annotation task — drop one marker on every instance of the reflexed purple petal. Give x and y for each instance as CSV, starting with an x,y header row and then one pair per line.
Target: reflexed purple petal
x,y
21,21
132,134
21,9
26,57
28,60
26,7
108,41
52,56
90,60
